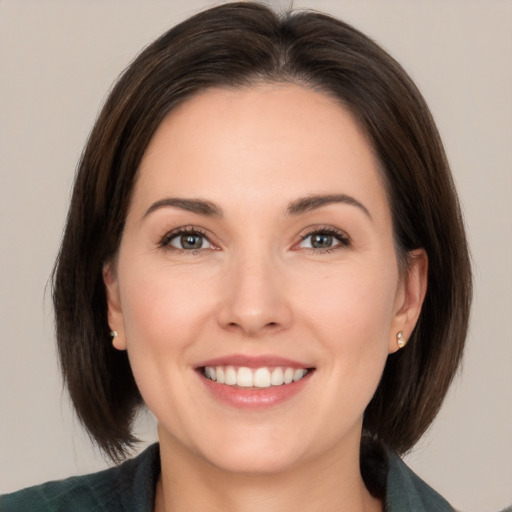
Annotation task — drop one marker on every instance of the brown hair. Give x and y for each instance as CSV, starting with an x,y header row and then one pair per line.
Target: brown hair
x,y
238,44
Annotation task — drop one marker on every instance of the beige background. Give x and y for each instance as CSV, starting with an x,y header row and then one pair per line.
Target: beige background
x,y
59,58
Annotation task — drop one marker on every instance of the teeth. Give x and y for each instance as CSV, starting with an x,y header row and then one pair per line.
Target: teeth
x,y
231,375
297,374
288,375
261,378
277,378
244,377
210,373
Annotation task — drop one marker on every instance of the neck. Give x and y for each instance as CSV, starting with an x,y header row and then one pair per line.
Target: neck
x,y
188,483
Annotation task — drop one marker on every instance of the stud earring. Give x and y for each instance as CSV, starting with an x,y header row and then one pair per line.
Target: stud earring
x,y
113,334
400,339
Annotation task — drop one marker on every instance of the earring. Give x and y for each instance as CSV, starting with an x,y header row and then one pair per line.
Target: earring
x,y
113,334
400,339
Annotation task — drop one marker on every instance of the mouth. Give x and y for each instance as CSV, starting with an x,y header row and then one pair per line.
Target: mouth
x,y
256,378
254,382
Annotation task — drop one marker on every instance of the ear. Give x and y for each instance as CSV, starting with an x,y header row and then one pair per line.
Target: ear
x,y
114,312
410,296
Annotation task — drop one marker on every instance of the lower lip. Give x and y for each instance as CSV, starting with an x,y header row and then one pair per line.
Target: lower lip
x,y
254,398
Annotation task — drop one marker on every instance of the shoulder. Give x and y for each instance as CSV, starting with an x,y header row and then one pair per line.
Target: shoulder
x,y
406,491
78,494
128,486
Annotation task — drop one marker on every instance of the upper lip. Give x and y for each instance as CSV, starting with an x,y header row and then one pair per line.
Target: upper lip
x,y
253,361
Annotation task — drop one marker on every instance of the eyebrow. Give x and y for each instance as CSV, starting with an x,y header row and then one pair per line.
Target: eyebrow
x,y
298,207
198,206
309,203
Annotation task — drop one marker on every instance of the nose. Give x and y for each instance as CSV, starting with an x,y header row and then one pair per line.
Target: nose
x,y
254,297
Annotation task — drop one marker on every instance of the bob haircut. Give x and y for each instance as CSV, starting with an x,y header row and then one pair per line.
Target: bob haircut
x,y
238,45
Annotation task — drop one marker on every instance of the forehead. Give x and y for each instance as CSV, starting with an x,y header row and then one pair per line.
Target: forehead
x,y
280,139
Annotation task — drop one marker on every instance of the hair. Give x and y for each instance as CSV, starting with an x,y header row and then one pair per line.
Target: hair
x,y
239,45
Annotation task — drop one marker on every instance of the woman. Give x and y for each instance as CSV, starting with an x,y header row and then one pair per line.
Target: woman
x,y
264,246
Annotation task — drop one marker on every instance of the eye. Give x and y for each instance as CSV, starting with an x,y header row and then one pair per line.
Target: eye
x,y
324,240
186,239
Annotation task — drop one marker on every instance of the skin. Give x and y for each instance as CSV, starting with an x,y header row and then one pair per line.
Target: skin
x,y
259,286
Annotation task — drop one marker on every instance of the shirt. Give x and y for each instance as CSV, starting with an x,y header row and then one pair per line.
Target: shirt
x,y
130,487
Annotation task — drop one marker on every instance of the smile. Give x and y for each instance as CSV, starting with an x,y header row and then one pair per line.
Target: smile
x,y
244,377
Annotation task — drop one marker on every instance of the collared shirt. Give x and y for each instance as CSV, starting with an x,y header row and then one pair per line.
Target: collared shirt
x,y
130,487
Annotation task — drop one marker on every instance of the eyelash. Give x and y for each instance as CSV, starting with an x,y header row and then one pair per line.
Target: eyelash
x,y
340,236
342,239
166,240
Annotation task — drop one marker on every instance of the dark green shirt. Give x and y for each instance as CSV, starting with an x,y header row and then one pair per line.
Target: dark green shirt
x,y
130,487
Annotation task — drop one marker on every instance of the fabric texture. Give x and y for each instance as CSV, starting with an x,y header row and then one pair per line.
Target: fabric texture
x,y
130,487
407,492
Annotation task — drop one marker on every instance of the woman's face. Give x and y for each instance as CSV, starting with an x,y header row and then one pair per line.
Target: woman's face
x,y
258,248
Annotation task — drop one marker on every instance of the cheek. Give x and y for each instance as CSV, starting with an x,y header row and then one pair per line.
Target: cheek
x,y
352,317
352,303
164,313
163,310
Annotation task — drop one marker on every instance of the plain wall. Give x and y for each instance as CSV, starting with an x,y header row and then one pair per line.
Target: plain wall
x,y
57,61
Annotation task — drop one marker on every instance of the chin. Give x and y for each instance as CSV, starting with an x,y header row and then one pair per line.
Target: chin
x,y
251,451
251,463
